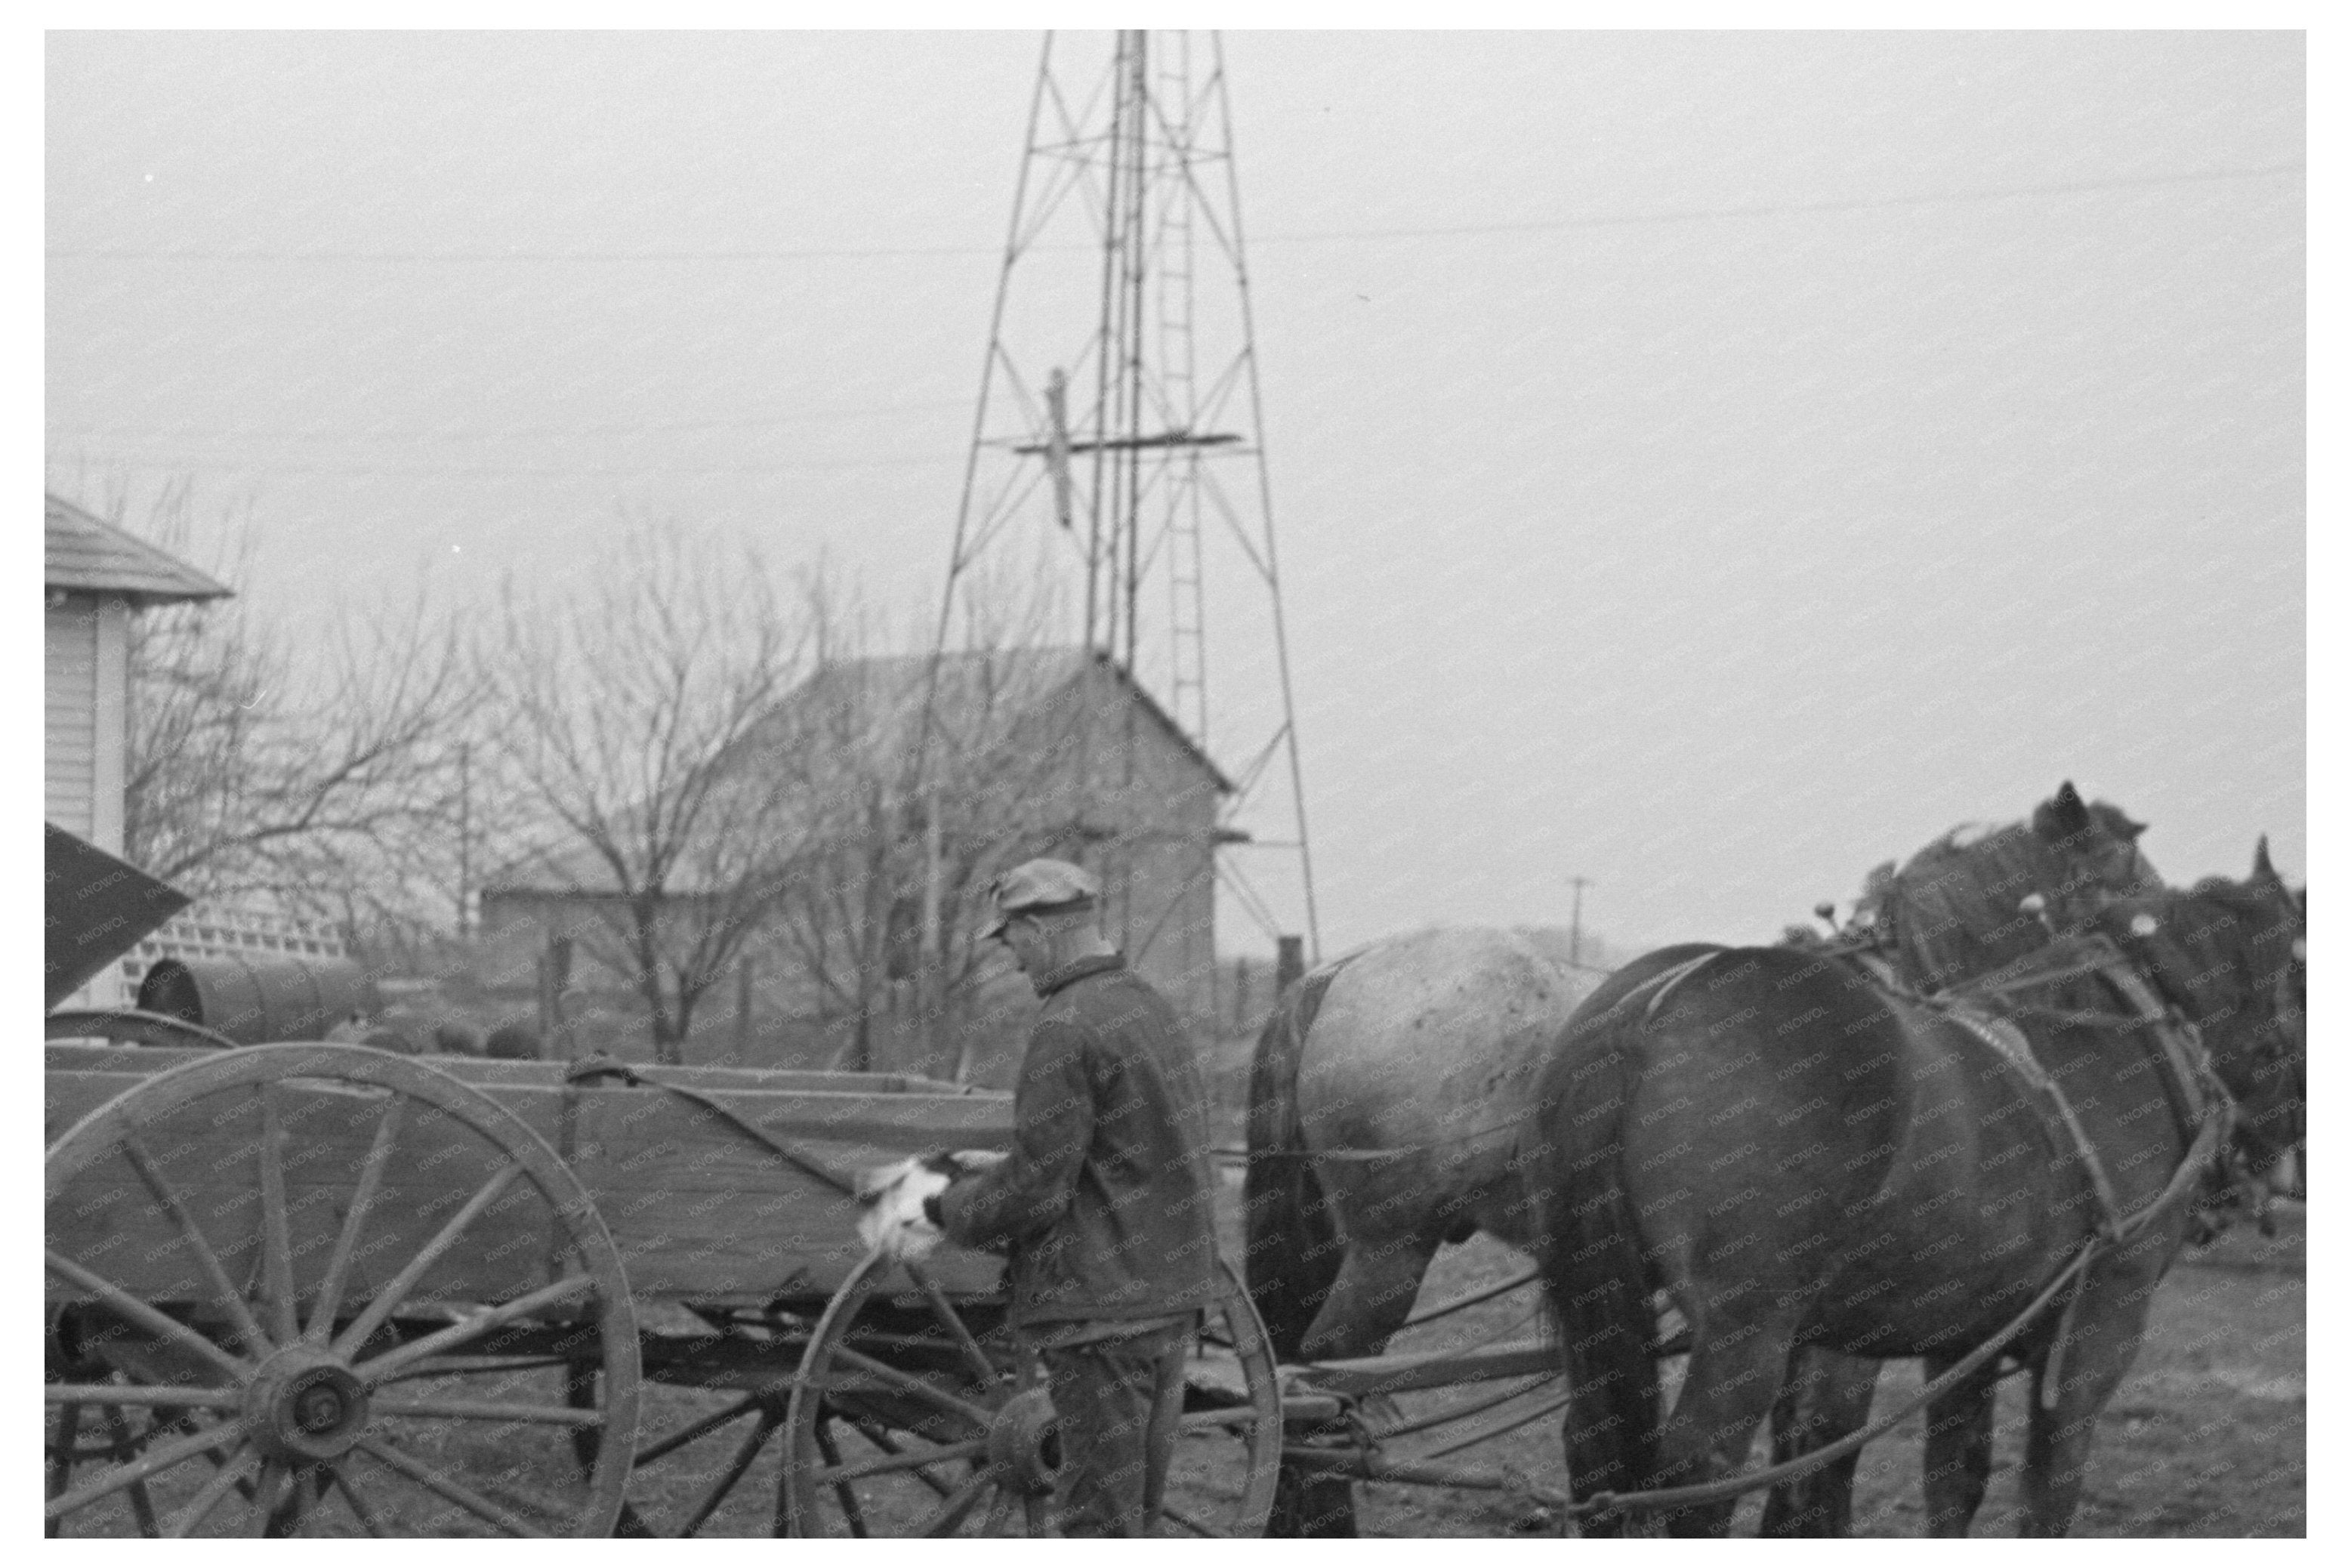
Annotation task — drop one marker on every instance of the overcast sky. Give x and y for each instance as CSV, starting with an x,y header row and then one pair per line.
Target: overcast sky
x,y
1706,464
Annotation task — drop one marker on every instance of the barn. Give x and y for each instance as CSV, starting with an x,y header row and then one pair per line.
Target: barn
x,y
1035,751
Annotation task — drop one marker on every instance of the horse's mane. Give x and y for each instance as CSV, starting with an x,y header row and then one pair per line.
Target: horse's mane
x,y
1951,912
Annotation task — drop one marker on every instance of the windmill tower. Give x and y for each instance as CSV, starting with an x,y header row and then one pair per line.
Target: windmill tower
x,y
1120,441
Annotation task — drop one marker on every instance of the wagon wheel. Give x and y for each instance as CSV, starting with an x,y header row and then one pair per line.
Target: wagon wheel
x,y
903,1422
707,1449
336,1334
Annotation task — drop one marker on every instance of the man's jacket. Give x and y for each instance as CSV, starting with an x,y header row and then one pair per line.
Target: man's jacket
x,y
1105,1203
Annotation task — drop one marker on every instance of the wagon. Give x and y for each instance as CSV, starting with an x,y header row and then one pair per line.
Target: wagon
x,y
319,1288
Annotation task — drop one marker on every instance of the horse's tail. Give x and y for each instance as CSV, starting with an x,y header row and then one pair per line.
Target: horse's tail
x,y
1589,1249
1292,1245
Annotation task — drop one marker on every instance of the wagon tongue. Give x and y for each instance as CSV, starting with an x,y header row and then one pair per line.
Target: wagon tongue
x,y
98,908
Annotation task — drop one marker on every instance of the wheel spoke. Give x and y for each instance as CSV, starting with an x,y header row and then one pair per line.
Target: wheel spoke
x,y
71,1394
347,1240
842,1493
360,1511
142,1507
745,1452
909,1383
897,1459
477,1366
389,1299
999,1513
701,1429
139,1312
61,1456
1034,1518
190,1518
374,1371
942,1309
276,1236
153,1461
872,1433
224,1290
1218,1420
488,1410
266,1496
464,1496
942,1519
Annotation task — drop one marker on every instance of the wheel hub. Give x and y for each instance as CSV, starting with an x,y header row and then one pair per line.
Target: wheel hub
x,y
304,1404
1024,1442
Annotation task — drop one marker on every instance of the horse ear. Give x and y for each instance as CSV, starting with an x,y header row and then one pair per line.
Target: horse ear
x,y
2130,829
2262,870
2062,816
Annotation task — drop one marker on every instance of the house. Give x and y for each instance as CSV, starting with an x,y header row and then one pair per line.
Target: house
x,y
95,577
1022,752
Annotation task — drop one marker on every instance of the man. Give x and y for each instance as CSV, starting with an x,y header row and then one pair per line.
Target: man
x,y
1103,1204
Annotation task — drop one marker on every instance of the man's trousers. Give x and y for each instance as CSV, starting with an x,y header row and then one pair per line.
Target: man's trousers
x,y
1121,1402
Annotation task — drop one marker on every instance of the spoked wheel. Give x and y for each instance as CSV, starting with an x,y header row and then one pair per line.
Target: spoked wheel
x,y
709,1437
327,1291
905,1421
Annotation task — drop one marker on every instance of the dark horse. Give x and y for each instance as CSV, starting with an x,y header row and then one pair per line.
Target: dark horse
x,y
1806,1157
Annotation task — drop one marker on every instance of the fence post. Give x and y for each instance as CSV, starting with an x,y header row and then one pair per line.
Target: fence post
x,y
554,975
743,1011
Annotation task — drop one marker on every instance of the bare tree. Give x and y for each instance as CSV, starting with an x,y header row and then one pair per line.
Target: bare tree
x,y
923,777
622,715
324,783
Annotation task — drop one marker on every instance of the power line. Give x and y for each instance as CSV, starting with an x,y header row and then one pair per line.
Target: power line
x,y
575,471
1618,220
527,432
1856,203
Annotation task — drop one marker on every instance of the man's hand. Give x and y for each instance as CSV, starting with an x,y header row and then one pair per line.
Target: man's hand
x,y
901,1217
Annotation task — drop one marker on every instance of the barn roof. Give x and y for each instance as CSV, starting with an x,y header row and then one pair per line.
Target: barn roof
x,y
974,688
872,707
90,555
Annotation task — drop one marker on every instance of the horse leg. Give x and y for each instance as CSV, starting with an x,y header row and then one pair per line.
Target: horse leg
x,y
2098,1342
1368,1302
1732,1382
1826,1397
1959,1446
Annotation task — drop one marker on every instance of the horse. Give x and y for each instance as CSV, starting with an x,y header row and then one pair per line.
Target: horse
x,y
1388,1096
1389,1101
1803,1156
1951,914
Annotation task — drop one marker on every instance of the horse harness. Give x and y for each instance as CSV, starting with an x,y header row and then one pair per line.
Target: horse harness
x,y
2213,1110
2194,1091
2191,1084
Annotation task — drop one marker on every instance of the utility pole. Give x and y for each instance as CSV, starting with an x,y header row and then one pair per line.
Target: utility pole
x,y
1575,922
465,832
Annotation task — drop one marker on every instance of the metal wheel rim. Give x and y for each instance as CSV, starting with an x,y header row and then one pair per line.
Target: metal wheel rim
x,y
241,1447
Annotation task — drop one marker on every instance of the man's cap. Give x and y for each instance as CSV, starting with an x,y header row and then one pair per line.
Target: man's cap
x,y
1040,884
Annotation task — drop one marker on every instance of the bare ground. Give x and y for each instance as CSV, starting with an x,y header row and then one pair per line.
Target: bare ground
x,y
2205,1437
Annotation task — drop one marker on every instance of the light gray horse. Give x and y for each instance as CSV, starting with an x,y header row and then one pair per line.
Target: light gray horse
x,y
1388,1098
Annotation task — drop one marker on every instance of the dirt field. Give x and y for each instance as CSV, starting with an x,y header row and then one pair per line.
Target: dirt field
x,y
2206,1436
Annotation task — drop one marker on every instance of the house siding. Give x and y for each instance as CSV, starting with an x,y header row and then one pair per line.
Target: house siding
x,y
69,682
